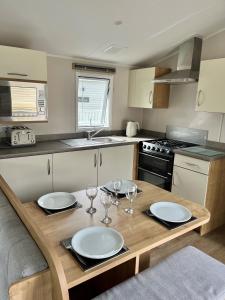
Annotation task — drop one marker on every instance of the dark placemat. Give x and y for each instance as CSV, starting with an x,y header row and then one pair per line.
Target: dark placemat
x,y
88,263
50,212
168,225
104,189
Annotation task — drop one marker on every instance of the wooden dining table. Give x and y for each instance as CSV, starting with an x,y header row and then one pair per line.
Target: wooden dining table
x,y
141,234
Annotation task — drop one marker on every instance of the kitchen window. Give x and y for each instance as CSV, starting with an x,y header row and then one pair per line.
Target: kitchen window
x,y
93,100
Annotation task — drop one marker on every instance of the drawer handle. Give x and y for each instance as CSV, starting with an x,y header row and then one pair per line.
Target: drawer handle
x,y
153,173
155,157
18,74
191,164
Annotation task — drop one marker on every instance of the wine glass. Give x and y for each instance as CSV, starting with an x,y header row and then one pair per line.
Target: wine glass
x,y
131,194
91,193
117,184
106,200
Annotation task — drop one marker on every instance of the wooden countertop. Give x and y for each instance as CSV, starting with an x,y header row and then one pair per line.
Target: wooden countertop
x,y
141,234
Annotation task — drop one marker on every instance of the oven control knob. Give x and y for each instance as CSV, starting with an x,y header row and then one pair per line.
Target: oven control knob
x,y
161,150
144,146
157,149
148,147
153,148
167,151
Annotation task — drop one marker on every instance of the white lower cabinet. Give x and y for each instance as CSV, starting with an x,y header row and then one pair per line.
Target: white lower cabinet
x,y
33,176
115,162
189,184
73,171
29,177
190,178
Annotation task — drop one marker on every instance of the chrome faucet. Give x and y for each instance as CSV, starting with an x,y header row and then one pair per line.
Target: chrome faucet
x,y
92,133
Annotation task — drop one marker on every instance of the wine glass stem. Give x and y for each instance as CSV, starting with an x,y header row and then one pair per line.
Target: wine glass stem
x,y
91,202
106,212
131,203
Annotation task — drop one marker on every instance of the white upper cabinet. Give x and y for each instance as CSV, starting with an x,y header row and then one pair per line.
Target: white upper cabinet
x,y
144,93
23,64
211,86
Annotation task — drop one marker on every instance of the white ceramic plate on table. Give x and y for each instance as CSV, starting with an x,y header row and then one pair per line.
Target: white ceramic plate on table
x,y
97,242
170,212
124,186
58,200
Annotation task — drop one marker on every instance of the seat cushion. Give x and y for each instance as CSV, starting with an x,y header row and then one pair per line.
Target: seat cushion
x,y
19,255
189,274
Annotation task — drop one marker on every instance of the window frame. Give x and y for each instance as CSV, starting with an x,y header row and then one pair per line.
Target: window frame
x,y
109,99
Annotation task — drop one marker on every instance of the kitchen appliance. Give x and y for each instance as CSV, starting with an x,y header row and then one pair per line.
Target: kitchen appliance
x,y
20,136
188,64
156,156
132,128
22,101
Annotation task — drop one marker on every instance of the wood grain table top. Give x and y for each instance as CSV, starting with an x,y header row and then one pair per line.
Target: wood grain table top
x,y
141,233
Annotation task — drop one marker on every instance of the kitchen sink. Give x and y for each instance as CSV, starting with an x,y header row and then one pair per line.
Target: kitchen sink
x,y
104,140
93,141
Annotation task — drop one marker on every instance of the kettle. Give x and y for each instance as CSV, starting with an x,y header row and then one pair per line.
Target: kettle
x,y
132,128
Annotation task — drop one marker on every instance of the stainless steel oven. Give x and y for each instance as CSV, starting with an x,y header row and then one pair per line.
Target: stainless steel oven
x,y
23,101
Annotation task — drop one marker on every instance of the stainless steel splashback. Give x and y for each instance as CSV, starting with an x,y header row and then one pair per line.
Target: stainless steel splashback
x,y
189,135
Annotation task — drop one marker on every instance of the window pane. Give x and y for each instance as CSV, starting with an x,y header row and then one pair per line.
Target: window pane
x,y
93,102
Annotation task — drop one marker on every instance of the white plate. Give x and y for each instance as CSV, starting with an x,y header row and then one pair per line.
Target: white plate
x,y
57,200
170,212
97,242
124,187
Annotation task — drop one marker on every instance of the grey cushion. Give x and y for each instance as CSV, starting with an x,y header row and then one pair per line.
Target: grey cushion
x,y
188,274
19,255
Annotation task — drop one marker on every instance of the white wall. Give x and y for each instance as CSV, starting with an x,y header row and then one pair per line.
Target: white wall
x,y
61,105
181,111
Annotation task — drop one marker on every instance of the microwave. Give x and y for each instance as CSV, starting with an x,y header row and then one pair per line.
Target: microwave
x,y
23,101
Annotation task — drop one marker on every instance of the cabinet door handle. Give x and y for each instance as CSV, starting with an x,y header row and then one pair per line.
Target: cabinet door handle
x,y
100,159
150,97
95,160
17,74
48,167
199,103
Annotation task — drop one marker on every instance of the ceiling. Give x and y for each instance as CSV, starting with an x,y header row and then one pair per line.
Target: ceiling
x,y
144,29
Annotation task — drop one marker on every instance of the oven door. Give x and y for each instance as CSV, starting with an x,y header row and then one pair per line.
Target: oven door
x,y
156,164
161,181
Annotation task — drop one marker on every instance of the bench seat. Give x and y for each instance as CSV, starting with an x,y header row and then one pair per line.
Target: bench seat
x,y
20,257
188,274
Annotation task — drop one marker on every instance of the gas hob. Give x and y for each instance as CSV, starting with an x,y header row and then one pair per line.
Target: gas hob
x,y
163,146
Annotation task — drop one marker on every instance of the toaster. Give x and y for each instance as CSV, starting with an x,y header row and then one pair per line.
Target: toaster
x,y
20,136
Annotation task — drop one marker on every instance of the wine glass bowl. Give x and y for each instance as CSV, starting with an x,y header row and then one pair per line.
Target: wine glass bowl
x,y
106,200
131,195
117,184
91,193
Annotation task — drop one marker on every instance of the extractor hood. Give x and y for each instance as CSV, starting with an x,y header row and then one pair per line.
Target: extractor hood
x,y
188,64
